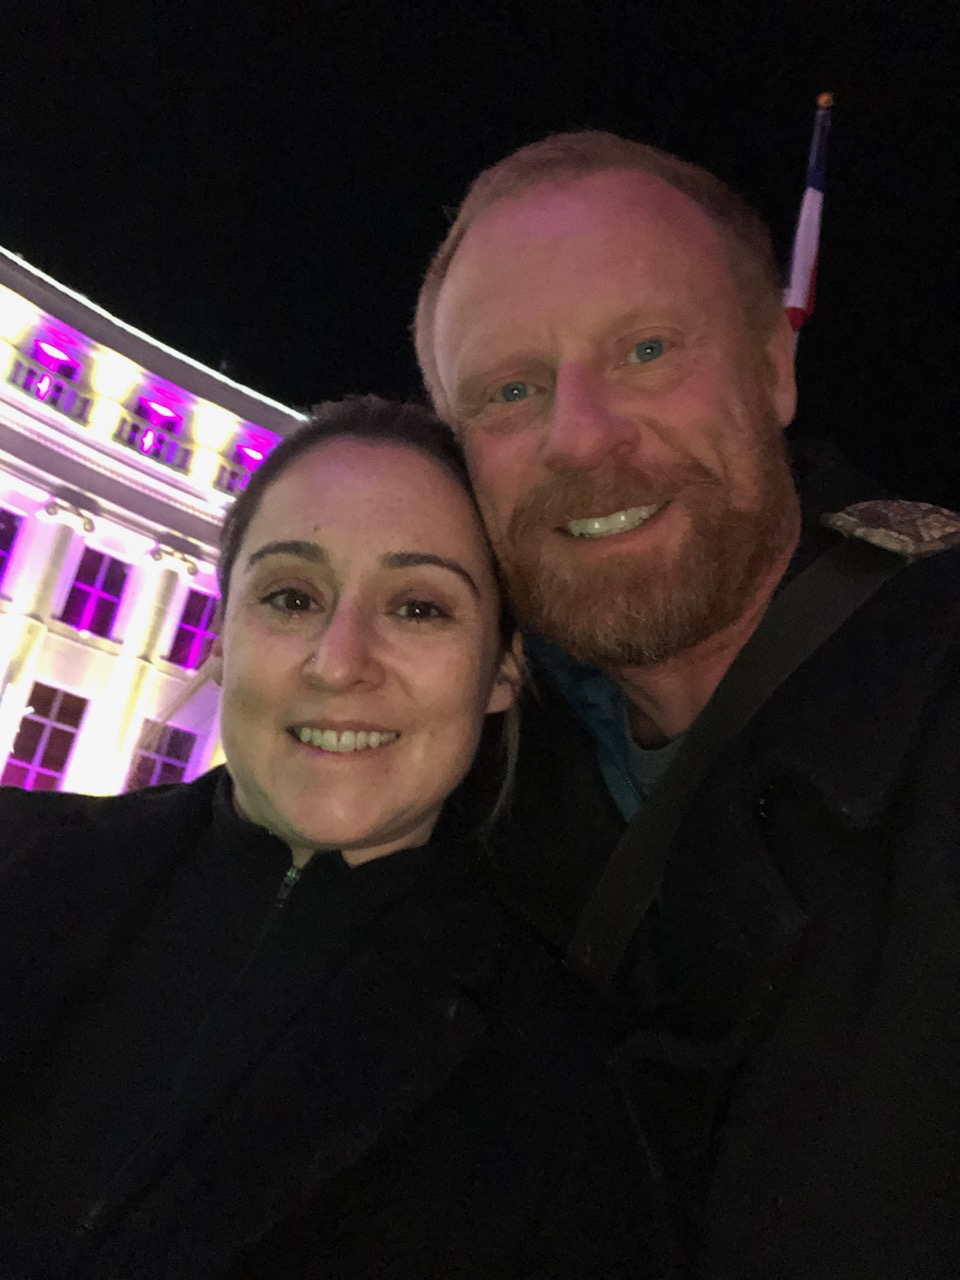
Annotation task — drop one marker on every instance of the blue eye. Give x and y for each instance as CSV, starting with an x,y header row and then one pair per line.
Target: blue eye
x,y
513,391
644,352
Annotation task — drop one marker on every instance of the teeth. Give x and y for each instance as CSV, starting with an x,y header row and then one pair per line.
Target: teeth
x,y
348,740
619,522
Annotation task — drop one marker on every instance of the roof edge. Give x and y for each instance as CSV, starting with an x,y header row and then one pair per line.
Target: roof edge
x,y
72,308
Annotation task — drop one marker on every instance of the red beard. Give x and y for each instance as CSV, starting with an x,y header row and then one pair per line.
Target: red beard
x,y
637,610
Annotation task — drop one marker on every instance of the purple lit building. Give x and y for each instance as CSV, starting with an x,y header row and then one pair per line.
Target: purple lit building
x,y
118,458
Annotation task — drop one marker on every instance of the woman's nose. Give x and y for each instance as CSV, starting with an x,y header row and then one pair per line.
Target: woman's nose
x,y
343,652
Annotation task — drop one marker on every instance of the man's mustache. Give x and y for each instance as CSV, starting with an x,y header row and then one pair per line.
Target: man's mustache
x,y
576,494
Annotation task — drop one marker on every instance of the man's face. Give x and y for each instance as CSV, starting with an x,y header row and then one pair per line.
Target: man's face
x,y
622,426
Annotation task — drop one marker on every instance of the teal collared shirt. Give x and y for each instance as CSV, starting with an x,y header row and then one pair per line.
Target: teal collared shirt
x,y
598,702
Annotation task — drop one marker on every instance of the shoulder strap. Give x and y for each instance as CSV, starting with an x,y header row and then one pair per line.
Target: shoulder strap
x,y
800,618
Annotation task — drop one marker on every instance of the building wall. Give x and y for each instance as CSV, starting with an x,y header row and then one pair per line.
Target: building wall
x,y
110,443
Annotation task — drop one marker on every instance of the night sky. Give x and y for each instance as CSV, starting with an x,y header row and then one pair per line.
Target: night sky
x,y
261,184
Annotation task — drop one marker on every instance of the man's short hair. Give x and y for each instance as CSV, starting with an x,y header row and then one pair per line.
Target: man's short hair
x,y
746,238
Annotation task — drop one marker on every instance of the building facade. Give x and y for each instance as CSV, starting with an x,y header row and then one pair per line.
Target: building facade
x,y
118,458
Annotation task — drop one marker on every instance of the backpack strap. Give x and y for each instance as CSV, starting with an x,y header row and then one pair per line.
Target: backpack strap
x,y
798,621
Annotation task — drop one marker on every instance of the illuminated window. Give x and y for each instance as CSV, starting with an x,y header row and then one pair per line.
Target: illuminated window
x,y
95,595
154,429
195,633
9,528
54,388
231,479
44,740
240,462
163,754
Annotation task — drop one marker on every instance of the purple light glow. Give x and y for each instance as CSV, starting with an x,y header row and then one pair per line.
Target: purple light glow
x,y
160,409
43,386
254,455
53,352
147,440
54,358
159,414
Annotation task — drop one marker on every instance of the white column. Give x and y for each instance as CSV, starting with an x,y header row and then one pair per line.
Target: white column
x,y
36,572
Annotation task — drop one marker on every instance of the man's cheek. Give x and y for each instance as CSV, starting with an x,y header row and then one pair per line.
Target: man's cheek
x,y
495,489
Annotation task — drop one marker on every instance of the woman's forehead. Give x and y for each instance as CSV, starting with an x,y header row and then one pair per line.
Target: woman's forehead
x,y
372,493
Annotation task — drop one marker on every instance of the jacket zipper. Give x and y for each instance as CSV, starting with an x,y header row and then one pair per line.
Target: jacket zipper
x,y
286,885
290,878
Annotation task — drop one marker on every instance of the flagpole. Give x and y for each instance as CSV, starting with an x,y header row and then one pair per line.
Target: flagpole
x,y
800,293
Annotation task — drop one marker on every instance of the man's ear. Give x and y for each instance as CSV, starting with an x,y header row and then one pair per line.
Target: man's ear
x,y
509,681
779,352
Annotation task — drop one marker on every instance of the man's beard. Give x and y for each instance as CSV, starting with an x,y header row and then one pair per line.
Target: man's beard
x,y
640,608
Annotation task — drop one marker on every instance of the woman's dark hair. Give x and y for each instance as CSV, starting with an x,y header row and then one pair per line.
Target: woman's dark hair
x,y
390,422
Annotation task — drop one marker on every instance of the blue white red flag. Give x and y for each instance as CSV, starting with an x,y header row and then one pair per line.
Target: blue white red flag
x,y
799,296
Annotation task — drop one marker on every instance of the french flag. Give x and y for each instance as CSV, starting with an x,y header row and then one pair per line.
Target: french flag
x,y
800,292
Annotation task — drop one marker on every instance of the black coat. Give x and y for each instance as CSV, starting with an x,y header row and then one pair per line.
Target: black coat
x,y
795,992
440,1103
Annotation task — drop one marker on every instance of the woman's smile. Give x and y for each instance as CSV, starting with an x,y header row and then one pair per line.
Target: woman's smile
x,y
343,741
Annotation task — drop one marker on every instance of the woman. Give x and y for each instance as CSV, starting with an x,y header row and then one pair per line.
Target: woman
x,y
282,994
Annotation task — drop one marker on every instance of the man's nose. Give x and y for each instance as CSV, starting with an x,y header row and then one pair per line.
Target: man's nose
x,y
343,653
585,425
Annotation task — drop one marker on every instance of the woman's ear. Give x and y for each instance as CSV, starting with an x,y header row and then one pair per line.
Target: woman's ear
x,y
213,666
509,681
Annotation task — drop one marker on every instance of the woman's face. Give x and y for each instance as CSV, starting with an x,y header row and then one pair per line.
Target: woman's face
x,y
359,651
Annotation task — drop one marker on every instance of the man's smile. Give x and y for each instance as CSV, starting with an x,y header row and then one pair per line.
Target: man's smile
x,y
617,522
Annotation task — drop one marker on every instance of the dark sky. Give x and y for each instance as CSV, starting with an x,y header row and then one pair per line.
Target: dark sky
x,y
262,183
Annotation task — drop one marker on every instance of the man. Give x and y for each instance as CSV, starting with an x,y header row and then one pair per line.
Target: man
x,y
603,327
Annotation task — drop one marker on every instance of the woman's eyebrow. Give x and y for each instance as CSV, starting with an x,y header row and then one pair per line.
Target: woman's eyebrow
x,y
405,559
303,550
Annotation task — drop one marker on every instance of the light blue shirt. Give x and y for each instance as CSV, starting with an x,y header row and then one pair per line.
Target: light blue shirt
x,y
599,703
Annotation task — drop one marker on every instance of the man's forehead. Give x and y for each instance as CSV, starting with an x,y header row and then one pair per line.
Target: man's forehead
x,y
624,227
583,203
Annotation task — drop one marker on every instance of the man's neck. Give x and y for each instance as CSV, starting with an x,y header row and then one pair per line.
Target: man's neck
x,y
666,699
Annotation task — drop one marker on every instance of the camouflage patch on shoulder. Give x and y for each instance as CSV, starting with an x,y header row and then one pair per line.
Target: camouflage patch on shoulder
x,y
908,528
